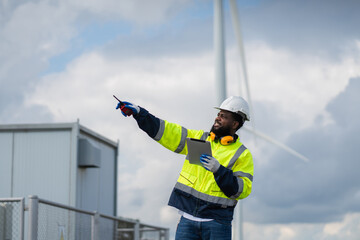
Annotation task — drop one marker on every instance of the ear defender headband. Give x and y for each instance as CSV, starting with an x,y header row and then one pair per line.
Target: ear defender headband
x,y
226,140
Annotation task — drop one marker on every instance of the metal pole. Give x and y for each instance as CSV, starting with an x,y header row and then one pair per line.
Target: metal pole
x,y
241,233
95,226
22,218
220,74
137,230
167,234
33,217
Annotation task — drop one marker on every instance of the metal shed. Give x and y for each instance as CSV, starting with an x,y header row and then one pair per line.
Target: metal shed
x,y
62,162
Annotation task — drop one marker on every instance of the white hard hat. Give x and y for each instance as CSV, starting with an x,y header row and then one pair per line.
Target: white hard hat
x,y
236,105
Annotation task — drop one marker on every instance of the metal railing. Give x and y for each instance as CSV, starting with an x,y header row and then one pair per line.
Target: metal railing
x,y
50,220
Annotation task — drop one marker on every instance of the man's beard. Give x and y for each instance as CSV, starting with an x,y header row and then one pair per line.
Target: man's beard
x,y
221,131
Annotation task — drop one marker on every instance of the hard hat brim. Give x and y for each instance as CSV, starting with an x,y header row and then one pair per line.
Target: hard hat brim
x,y
241,114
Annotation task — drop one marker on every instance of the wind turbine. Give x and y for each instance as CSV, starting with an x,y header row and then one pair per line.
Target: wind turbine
x,y
220,78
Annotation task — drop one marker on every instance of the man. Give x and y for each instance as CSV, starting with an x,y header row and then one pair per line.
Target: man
x,y
205,195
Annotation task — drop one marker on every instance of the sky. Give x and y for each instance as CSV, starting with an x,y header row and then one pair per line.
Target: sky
x,y
63,60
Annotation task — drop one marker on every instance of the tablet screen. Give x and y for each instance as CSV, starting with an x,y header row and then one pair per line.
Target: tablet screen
x,y
196,148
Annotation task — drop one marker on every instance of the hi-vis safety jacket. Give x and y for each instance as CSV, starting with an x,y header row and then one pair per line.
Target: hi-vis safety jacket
x,y
198,191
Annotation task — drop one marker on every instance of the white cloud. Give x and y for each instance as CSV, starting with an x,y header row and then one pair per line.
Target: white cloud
x,y
286,233
91,79
30,34
87,86
169,215
31,31
348,228
300,86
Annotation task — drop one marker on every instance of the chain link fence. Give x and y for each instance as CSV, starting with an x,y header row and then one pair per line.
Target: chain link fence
x,y
12,219
50,220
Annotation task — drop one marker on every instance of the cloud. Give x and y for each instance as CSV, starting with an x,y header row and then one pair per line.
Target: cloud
x,y
290,191
27,40
347,228
91,80
321,27
33,32
290,84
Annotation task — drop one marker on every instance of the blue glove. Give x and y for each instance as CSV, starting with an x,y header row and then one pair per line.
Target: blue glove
x,y
126,106
209,163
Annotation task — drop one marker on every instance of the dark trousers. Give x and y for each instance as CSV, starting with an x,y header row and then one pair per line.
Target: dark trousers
x,y
192,230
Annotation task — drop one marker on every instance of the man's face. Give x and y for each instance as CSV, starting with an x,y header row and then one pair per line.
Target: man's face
x,y
224,124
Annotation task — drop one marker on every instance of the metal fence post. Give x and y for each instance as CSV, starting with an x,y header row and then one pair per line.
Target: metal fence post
x,y
167,234
95,226
33,217
137,230
22,218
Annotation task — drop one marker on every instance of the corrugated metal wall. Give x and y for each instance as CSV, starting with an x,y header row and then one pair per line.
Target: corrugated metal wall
x,y
6,140
40,164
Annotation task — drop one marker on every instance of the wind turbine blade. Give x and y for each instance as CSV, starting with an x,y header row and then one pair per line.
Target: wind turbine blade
x,y
236,25
279,144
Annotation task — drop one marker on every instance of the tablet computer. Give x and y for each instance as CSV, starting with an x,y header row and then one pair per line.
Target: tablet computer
x,y
196,148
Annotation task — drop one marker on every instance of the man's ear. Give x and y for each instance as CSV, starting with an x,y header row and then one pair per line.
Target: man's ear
x,y
235,125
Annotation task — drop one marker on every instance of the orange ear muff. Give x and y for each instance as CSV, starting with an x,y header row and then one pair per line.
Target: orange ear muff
x,y
212,136
226,140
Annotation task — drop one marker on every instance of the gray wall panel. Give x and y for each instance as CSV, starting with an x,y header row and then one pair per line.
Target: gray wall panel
x,y
107,180
42,164
98,184
5,164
